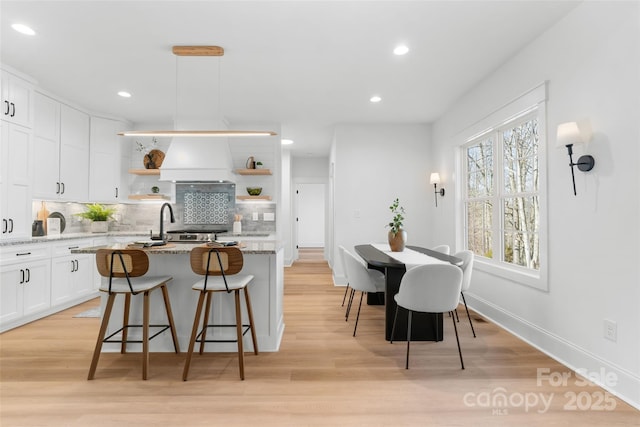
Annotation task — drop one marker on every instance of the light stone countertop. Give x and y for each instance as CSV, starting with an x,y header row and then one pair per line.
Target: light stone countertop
x,y
255,247
70,236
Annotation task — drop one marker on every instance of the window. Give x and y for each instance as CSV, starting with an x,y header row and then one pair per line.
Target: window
x,y
502,219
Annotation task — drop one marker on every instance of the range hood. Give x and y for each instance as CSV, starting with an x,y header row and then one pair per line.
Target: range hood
x,y
197,159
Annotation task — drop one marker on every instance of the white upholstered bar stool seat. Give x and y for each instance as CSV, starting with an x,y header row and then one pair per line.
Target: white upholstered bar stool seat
x,y
220,268
125,269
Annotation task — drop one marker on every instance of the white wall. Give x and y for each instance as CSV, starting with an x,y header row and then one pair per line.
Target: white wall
x,y
374,164
591,60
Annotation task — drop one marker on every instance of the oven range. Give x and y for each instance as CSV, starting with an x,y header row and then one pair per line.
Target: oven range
x,y
193,236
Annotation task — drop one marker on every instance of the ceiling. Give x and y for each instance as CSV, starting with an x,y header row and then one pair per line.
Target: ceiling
x,y
306,65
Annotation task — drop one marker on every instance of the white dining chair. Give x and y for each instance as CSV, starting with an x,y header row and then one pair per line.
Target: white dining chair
x,y
430,288
341,249
360,279
467,258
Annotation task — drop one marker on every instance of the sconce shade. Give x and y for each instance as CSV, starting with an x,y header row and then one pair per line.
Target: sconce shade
x,y
435,178
568,134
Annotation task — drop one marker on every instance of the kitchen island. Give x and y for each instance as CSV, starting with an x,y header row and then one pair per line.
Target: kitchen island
x,y
262,258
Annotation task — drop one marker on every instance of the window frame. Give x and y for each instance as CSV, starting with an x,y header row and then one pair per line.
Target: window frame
x,y
531,103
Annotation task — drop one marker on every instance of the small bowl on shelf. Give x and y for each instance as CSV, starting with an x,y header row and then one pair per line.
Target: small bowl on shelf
x,y
254,191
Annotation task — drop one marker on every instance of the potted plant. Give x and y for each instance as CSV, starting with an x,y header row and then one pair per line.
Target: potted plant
x,y
397,236
98,215
258,165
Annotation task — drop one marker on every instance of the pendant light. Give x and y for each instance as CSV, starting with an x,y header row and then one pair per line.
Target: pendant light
x,y
197,51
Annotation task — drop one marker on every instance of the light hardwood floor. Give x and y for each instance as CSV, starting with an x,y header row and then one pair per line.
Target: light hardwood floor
x,y
322,376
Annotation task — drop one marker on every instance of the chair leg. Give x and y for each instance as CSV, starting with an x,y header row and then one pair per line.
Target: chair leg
x,y
455,311
346,315
358,316
145,336
103,330
125,323
252,327
393,328
465,307
458,341
172,324
205,321
239,334
194,334
408,338
344,298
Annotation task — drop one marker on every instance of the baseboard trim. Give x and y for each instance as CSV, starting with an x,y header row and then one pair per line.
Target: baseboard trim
x,y
627,386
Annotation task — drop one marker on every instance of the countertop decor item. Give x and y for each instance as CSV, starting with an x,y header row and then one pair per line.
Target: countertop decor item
x,y
153,157
397,236
254,191
63,221
99,215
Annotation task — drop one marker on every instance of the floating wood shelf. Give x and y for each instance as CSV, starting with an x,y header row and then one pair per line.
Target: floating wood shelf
x,y
144,171
253,197
148,197
253,171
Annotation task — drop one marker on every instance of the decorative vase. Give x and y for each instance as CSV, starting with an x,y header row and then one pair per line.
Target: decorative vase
x,y
153,160
99,226
397,240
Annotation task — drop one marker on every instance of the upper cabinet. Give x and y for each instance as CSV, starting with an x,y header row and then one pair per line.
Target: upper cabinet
x,y
108,179
61,156
16,99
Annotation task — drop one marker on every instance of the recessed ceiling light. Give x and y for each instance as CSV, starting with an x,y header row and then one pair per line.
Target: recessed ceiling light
x,y
23,29
375,98
124,94
401,50
286,141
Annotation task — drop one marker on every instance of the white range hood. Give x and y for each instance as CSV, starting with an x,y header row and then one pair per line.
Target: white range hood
x,y
197,159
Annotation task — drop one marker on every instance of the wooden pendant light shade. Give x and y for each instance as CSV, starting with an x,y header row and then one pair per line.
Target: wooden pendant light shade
x,y
198,51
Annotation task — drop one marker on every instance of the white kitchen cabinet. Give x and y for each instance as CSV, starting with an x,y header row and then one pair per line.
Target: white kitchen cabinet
x,y
16,99
106,156
72,275
24,284
61,155
16,149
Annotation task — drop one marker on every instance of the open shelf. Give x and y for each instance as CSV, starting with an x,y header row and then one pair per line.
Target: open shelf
x,y
253,197
144,171
253,171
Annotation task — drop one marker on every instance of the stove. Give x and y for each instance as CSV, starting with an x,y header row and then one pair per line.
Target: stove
x,y
193,236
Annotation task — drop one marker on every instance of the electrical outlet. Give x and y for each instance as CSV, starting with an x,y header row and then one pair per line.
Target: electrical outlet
x,y
254,216
610,330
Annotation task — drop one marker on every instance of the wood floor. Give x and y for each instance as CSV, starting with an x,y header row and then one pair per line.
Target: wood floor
x,y
322,376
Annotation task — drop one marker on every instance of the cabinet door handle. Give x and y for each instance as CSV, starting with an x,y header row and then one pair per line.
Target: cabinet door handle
x,y
5,226
6,113
116,192
73,247
11,225
28,275
21,276
62,192
73,266
57,188
23,253
77,266
13,109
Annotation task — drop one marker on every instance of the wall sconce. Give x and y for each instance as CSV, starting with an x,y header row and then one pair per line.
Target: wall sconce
x,y
435,180
569,134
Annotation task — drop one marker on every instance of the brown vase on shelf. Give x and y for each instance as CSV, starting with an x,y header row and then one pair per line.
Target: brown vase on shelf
x,y
154,159
397,240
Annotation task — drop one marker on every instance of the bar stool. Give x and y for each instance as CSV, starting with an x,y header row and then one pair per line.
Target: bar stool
x,y
220,268
126,270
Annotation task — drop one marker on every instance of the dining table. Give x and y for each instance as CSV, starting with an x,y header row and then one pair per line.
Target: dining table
x,y
378,256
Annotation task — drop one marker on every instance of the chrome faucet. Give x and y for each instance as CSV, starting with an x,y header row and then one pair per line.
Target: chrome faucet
x,y
173,219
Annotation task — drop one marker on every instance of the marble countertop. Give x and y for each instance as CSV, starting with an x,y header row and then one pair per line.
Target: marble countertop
x,y
246,246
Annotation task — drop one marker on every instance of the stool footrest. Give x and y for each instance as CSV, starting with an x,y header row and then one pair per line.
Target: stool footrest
x,y
110,340
247,328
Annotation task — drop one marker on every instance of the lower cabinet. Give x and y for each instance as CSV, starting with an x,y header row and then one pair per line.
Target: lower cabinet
x,y
72,275
25,287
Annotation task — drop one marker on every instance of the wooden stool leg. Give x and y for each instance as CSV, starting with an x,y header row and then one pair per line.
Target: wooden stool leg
x,y
205,321
125,322
103,330
167,305
251,324
194,334
145,337
239,334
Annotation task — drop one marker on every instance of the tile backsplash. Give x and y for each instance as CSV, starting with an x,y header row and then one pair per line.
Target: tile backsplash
x,y
146,216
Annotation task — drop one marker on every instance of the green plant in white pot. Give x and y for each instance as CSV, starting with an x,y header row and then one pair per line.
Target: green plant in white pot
x,y
98,215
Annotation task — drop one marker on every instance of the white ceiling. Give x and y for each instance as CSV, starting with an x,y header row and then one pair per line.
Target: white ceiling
x,y
307,65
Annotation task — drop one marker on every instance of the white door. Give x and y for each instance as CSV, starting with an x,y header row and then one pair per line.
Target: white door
x,y
310,215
